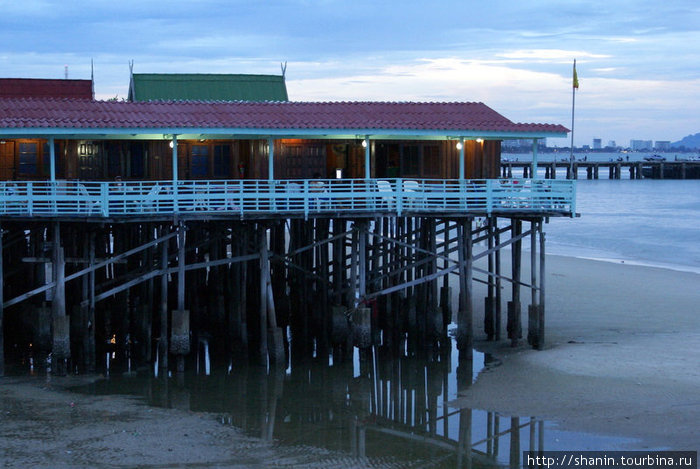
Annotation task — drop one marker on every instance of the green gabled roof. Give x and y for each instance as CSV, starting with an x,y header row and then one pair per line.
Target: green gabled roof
x,y
207,87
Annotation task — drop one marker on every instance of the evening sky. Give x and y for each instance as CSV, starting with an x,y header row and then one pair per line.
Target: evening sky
x,y
638,61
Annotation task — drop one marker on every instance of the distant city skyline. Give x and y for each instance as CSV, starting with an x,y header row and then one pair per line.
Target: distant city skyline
x,y
636,60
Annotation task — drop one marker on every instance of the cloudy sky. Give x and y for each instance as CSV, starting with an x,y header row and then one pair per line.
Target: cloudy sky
x,y
638,61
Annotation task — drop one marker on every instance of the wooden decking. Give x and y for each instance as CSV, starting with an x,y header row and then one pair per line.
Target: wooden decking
x,y
289,198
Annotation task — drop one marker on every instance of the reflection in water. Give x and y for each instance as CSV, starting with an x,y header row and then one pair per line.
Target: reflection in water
x,y
381,407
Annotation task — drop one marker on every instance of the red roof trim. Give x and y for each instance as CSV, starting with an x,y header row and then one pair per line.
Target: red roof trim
x,y
427,116
45,88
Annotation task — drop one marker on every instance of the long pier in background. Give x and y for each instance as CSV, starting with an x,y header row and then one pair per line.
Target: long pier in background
x,y
613,169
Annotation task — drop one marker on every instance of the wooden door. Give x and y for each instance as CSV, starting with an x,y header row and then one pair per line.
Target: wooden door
x,y
304,160
7,160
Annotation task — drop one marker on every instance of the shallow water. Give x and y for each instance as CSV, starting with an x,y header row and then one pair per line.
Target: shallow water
x,y
648,222
379,409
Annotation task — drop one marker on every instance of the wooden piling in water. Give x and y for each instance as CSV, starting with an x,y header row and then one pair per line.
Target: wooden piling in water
x,y
180,333
489,301
60,348
533,308
2,309
464,315
541,310
514,323
390,266
497,286
163,348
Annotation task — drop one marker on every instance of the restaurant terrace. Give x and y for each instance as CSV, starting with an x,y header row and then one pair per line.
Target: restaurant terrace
x,y
344,208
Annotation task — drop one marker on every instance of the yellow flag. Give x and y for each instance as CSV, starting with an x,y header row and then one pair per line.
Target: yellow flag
x,y
575,76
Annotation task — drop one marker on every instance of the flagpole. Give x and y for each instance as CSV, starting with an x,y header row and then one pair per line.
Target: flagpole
x,y
573,107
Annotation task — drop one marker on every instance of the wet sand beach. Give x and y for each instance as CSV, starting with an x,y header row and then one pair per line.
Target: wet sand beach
x,y
622,355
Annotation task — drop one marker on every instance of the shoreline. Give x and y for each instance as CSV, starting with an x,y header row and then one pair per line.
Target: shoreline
x,y
621,356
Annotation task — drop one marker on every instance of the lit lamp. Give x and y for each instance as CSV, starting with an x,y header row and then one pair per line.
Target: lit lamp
x,y
364,144
459,145
479,140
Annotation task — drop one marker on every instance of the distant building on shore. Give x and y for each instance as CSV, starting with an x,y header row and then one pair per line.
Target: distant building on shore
x,y
597,143
522,144
662,145
641,144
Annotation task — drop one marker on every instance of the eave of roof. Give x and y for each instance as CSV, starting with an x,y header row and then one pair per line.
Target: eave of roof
x,y
308,119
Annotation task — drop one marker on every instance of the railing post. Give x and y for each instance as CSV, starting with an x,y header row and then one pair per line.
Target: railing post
x,y
175,171
533,169
30,199
104,195
306,199
399,196
489,196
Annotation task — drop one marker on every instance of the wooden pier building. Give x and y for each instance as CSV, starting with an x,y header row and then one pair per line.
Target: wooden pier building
x,y
152,229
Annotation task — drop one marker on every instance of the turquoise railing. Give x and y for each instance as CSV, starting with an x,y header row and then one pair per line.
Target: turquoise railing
x,y
295,197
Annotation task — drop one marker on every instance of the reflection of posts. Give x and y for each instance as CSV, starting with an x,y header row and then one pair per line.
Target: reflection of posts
x,y
514,457
464,446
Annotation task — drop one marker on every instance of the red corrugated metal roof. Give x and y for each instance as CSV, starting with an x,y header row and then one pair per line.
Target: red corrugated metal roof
x,y
45,88
88,114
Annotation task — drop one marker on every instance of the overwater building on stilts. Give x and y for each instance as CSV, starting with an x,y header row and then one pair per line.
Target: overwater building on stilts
x,y
268,229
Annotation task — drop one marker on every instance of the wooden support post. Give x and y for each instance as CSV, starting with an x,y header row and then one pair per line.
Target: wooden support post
x,y
541,310
353,293
163,343
262,249
497,271
489,310
446,291
433,313
362,317
514,323
271,341
362,259
533,307
180,335
61,323
322,262
91,343
464,316
2,300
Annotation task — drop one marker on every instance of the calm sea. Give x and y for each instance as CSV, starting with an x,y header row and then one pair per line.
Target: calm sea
x,y
649,222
